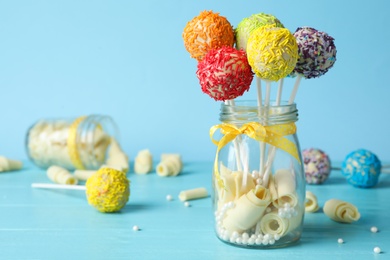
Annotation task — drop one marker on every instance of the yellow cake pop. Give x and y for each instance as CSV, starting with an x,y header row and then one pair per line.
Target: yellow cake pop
x,y
272,52
108,190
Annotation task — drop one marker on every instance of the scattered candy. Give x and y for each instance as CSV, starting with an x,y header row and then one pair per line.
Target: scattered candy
x,y
361,168
224,73
187,204
377,250
60,175
143,162
341,211
9,165
311,204
170,165
205,32
169,197
317,165
340,241
135,228
192,194
374,229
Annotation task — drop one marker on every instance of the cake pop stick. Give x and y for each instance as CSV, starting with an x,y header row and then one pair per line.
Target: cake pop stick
x,y
279,93
236,143
295,89
317,54
107,190
260,105
57,186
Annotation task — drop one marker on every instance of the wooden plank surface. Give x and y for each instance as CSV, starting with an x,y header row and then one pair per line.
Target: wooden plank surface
x,y
59,224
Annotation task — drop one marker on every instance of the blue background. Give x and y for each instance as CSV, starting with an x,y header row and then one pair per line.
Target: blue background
x,y
127,59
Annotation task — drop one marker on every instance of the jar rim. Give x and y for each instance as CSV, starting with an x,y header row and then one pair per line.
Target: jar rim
x,y
242,111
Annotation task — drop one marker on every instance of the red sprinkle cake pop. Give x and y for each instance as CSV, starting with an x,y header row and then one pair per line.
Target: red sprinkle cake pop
x,y
224,73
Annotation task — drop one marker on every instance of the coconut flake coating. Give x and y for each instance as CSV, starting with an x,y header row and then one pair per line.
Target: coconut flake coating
x,y
361,168
224,73
247,25
272,52
207,31
108,190
317,52
317,165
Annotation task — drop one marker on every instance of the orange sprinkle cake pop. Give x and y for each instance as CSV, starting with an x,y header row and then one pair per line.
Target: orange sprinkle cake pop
x,y
207,31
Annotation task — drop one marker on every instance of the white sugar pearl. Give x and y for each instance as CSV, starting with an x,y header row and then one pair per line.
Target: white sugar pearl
x,y
377,250
340,241
135,228
169,197
374,229
187,204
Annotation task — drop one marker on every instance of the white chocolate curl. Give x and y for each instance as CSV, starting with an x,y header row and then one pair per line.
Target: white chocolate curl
x,y
170,165
233,185
83,175
9,165
60,175
143,162
197,193
249,209
311,204
117,159
285,187
341,211
272,223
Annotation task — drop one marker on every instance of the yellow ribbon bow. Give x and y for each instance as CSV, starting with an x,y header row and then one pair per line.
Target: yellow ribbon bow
x,y
273,135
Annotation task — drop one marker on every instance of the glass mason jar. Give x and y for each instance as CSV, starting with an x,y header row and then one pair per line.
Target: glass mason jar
x,y
258,176
73,143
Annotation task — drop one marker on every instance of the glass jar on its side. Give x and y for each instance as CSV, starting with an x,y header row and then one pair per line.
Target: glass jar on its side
x,y
258,177
74,143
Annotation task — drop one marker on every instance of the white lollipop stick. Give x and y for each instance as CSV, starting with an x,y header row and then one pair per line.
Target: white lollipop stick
x,y
295,89
279,93
273,149
236,142
267,93
57,186
260,105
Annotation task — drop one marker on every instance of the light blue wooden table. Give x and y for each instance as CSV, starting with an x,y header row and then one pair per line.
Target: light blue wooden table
x,y
59,224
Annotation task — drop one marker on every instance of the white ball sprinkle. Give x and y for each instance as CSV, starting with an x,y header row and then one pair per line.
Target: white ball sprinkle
x,y
169,197
340,241
374,229
187,204
135,228
377,250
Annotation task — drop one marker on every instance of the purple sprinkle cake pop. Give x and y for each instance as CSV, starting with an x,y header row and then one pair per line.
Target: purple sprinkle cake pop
x,y
317,52
317,165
